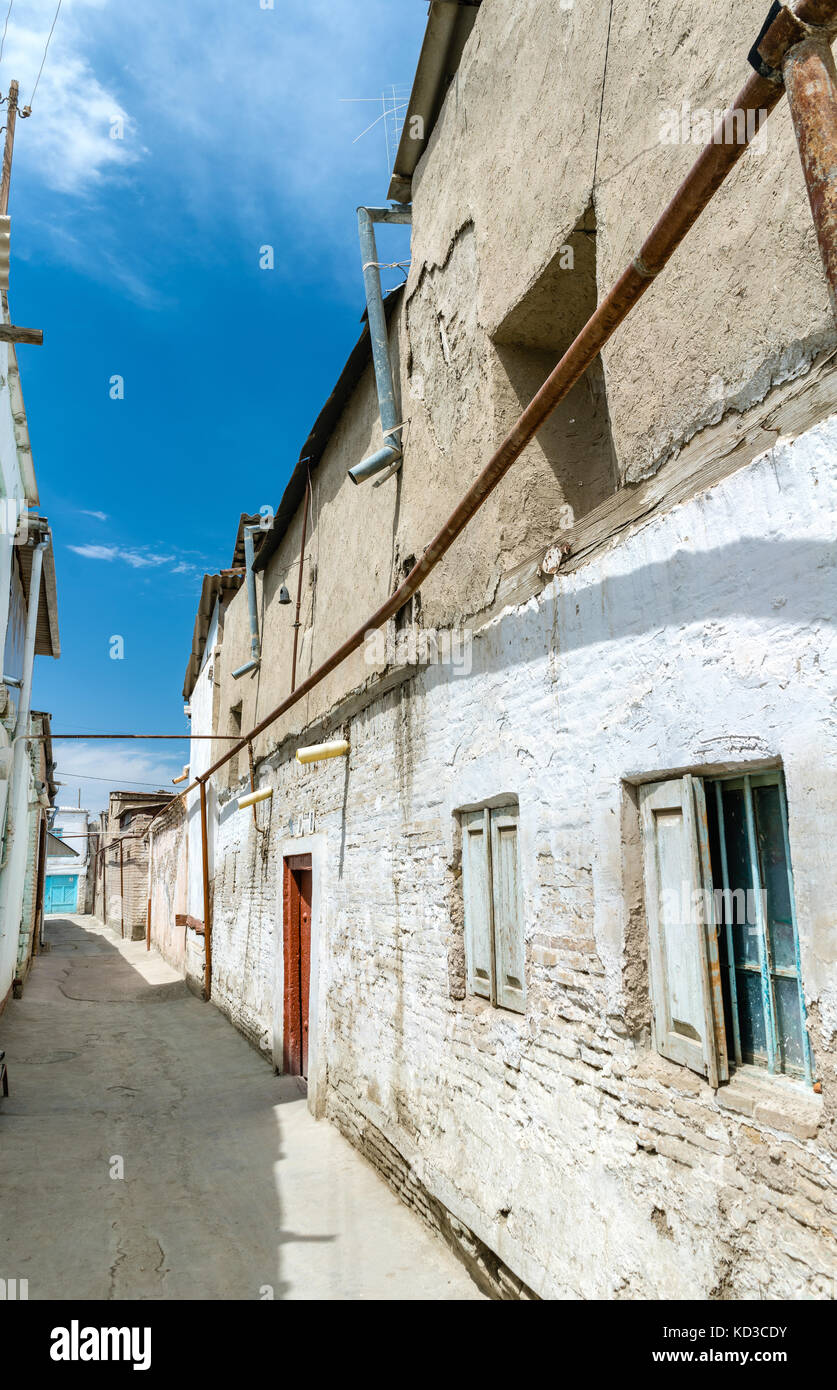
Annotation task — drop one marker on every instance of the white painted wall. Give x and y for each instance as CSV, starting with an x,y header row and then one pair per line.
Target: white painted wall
x,y
16,484
703,639
200,758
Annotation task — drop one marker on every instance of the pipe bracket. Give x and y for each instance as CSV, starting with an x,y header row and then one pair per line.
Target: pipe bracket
x,y
783,30
642,269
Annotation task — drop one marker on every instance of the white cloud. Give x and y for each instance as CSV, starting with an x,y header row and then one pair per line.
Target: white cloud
x,y
98,767
69,136
100,516
137,559
234,133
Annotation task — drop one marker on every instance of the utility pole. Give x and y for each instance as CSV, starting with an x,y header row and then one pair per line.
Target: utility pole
x,y
11,118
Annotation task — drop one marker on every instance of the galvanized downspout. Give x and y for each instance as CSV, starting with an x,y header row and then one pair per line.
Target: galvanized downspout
x,y
255,645
299,581
390,424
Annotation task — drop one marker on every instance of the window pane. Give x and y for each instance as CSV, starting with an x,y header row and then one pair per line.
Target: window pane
x,y
738,906
789,1023
751,1016
774,871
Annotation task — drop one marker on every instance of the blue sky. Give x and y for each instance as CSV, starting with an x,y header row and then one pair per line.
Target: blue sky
x,y
139,257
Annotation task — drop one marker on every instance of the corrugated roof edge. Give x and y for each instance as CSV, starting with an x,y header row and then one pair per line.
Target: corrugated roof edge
x,y
211,587
449,25
317,441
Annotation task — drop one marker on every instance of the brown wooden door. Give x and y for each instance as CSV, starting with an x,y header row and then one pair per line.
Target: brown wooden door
x,y
297,912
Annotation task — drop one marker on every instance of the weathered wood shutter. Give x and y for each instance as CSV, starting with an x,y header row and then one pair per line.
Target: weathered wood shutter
x,y
685,993
476,887
509,947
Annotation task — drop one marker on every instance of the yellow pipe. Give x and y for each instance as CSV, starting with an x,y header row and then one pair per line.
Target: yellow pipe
x,y
182,778
317,751
252,797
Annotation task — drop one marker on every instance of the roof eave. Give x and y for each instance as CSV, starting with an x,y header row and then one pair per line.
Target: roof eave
x,y
321,433
449,26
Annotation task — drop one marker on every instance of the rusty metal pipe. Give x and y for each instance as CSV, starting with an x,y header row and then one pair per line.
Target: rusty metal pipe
x,y
759,94
693,195
150,880
207,925
299,581
121,892
811,86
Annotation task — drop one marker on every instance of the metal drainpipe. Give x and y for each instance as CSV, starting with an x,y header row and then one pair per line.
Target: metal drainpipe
x,y
807,70
121,893
391,452
148,906
299,582
255,645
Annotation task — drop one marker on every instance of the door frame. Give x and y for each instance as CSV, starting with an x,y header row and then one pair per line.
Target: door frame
x,y
59,911
315,846
296,1006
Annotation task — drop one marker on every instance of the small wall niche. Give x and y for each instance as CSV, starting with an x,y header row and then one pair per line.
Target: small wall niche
x,y
576,441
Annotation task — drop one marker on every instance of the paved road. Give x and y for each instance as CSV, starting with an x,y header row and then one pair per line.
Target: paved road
x,y
230,1188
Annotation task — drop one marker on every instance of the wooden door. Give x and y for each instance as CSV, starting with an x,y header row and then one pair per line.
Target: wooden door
x,y
297,914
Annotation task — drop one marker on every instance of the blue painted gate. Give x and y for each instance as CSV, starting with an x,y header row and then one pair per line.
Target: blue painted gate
x,y
60,893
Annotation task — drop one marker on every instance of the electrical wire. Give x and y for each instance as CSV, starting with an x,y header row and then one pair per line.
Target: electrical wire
x,y
5,28
73,778
46,50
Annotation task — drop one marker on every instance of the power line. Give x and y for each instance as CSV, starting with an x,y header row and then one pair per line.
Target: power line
x,y
5,27
73,778
46,50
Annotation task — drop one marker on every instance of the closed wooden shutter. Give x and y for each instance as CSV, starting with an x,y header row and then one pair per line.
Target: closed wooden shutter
x,y
476,887
509,946
678,891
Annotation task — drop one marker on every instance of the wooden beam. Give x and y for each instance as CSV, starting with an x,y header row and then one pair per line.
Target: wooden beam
x,y
10,334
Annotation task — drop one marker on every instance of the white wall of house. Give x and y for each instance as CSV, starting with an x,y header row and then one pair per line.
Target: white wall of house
x,y
702,639
17,491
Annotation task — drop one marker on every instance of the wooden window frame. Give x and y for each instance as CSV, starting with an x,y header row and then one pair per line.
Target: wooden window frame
x,y
499,987
767,969
705,1049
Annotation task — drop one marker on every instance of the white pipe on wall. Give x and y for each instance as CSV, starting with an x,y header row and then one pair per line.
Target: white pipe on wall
x,y
338,749
252,798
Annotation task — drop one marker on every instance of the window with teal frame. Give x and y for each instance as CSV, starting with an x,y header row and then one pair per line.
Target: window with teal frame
x,y
755,912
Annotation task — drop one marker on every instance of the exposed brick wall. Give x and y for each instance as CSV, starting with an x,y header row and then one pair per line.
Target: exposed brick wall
x,y
558,1139
169,893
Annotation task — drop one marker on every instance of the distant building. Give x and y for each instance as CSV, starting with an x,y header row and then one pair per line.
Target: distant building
x,y
66,887
120,870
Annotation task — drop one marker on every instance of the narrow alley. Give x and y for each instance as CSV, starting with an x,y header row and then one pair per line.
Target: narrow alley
x,y
231,1190
418,711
